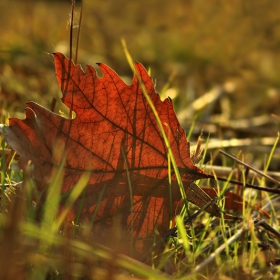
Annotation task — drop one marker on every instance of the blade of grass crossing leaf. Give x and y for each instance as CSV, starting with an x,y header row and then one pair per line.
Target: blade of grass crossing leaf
x,y
159,124
50,213
170,191
75,193
177,174
131,200
169,185
79,212
51,204
97,205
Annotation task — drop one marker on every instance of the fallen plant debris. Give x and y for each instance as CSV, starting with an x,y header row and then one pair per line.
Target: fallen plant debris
x,y
109,181
114,138
131,189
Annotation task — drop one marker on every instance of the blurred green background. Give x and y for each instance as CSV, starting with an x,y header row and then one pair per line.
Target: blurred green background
x,y
196,45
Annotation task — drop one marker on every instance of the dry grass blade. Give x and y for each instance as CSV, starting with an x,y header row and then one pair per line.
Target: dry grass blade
x,y
199,247
252,168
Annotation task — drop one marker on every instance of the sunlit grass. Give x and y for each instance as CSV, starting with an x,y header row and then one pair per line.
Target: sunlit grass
x,y
204,249
219,248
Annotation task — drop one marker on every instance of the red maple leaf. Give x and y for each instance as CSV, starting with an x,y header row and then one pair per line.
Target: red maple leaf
x,y
115,137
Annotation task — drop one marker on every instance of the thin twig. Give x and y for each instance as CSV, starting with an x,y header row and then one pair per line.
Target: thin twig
x,y
251,167
225,171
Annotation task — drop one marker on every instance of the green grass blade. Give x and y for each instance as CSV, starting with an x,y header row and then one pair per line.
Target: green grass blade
x,y
131,201
159,124
97,205
75,193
